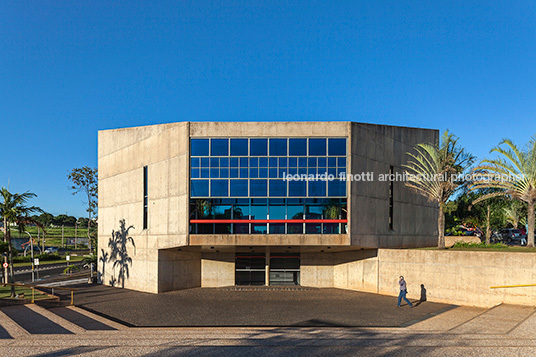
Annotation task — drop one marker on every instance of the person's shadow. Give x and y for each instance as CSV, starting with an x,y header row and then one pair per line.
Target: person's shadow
x,y
423,296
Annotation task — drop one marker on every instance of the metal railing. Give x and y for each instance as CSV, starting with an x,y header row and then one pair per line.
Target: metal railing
x,y
512,286
33,287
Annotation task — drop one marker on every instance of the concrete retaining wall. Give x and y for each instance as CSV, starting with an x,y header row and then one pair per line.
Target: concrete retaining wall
x,y
455,277
461,277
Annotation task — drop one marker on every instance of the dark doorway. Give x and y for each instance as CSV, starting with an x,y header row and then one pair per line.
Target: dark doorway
x,y
285,269
250,269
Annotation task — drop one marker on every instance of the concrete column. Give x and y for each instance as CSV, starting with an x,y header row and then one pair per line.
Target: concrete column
x,y
267,267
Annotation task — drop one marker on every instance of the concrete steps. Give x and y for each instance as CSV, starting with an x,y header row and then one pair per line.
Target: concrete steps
x,y
23,320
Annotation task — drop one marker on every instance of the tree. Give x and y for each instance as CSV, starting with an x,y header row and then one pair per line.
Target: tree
x,y
513,173
85,180
13,210
433,173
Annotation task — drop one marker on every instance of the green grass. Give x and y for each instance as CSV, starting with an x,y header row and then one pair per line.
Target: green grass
x,y
74,258
51,232
5,292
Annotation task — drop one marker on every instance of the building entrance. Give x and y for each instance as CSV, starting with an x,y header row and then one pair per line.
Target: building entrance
x,y
250,269
284,269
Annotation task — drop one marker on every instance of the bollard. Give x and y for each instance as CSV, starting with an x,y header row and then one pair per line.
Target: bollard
x,y
72,297
33,297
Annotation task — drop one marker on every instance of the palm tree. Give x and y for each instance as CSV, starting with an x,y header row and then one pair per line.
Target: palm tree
x,y
433,173
513,173
512,215
13,209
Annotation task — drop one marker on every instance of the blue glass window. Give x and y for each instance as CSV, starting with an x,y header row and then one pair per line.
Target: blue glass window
x,y
214,172
259,229
233,162
214,162
336,188
292,171
282,172
224,162
278,188
241,211
317,147
259,211
244,173
194,162
277,212
205,173
302,162
312,162
253,173
273,173
322,162
277,228
317,188
194,173
243,162
332,161
282,162
224,173
278,147
258,147
263,173
239,147
263,162
219,188
341,161
337,146
297,188
233,173
273,162
258,188
205,161
253,162
199,188
239,188
294,212
199,147
292,162
219,147
297,147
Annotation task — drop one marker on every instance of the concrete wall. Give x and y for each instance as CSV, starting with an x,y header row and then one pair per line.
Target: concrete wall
x,y
178,270
460,277
455,277
374,148
355,270
218,269
122,154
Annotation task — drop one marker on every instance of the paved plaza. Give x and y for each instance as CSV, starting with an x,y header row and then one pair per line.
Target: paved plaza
x,y
252,307
440,330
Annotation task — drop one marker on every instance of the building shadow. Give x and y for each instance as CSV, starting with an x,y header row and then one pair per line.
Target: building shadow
x,y
119,254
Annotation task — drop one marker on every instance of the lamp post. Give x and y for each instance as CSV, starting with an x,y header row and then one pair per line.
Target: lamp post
x,y
32,254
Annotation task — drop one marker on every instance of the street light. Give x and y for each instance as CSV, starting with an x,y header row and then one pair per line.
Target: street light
x,y
32,254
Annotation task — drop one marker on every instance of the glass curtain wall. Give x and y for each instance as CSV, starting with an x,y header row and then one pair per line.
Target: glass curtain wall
x,y
268,185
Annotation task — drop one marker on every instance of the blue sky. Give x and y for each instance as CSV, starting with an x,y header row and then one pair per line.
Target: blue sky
x,y
71,68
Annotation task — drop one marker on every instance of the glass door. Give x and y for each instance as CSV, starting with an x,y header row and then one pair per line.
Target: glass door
x,y
250,269
285,269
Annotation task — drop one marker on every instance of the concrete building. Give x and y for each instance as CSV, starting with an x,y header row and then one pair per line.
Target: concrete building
x,y
206,204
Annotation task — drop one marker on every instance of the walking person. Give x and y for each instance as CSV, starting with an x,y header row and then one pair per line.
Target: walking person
x,y
403,292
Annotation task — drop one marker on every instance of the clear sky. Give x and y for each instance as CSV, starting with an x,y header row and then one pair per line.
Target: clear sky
x,y
71,68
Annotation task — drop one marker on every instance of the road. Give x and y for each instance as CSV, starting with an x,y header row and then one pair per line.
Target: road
x,y
44,272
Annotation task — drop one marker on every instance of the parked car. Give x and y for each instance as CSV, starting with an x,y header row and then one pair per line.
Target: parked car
x,y
51,250
511,235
